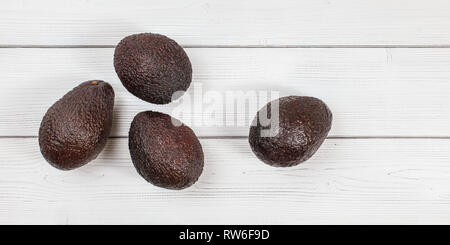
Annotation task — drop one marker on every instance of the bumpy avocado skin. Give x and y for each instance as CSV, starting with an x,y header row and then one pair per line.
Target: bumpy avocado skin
x,y
304,123
165,155
75,129
152,67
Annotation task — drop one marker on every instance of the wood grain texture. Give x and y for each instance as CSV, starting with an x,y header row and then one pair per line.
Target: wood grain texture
x,y
371,92
348,181
241,23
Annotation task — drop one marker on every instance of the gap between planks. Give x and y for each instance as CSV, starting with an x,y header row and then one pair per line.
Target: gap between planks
x,y
237,46
245,137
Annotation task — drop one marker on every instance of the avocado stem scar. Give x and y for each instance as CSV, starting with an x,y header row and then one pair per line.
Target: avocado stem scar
x,y
94,82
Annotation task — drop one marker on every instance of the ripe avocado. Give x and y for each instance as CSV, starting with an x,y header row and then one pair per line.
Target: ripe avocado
x,y
164,154
304,123
75,129
152,67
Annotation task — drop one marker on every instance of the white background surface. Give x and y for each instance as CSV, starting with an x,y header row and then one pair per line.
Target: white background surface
x,y
382,66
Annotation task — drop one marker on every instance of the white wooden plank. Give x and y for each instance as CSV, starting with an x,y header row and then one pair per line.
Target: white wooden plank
x,y
348,181
372,92
235,22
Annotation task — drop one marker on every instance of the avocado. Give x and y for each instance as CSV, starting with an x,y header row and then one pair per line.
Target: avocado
x,y
75,129
165,152
303,125
152,67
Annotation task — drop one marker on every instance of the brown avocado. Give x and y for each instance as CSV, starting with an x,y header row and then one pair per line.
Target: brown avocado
x,y
303,125
75,129
152,67
165,154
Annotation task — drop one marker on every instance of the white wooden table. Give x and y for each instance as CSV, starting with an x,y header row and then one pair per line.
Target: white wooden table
x,y
383,67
